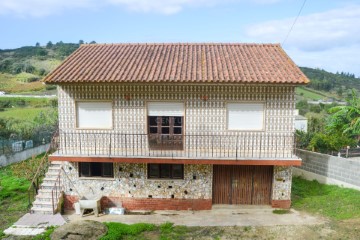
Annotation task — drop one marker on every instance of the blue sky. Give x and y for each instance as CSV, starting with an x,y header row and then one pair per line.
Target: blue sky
x,y
326,35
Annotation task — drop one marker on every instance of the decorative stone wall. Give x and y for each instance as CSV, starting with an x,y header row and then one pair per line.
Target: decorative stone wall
x,y
130,181
281,187
201,117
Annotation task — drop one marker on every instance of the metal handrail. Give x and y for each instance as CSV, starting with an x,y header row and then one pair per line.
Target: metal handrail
x,y
208,146
56,190
41,170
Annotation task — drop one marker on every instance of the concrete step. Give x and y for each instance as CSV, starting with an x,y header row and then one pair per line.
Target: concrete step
x,y
44,191
52,167
42,204
48,211
52,174
49,185
50,179
57,162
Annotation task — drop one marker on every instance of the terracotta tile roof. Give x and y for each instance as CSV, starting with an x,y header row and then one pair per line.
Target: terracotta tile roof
x,y
178,62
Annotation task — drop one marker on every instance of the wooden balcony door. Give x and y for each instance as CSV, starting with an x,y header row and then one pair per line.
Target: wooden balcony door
x,y
165,132
242,184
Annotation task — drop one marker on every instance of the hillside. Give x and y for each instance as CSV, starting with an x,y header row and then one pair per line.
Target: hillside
x,y
332,85
22,68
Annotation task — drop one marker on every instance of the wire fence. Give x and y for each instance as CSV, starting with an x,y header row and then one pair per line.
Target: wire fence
x,y
17,144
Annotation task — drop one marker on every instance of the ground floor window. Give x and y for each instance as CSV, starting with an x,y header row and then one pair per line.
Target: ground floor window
x,y
96,169
166,171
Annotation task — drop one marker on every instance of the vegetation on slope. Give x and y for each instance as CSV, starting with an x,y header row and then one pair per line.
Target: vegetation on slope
x,y
326,81
22,68
328,200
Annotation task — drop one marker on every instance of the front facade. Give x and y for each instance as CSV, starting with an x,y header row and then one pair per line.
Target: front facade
x,y
177,126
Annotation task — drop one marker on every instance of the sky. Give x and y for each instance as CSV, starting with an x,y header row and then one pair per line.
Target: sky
x,y
326,35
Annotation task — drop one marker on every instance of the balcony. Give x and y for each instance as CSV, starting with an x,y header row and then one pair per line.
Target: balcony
x,y
243,146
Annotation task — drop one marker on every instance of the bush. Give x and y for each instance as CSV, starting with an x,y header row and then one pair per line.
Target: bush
x,y
50,87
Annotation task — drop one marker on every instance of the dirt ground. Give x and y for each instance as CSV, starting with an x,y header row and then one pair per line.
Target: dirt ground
x,y
349,229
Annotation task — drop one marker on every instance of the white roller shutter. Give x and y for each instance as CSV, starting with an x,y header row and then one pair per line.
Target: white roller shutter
x,y
165,109
245,116
94,115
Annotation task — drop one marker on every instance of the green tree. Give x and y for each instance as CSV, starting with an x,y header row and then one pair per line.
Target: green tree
x,y
346,119
49,44
37,44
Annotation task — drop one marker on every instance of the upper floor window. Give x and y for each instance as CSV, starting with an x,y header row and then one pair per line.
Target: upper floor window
x,y
94,115
245,116
165,125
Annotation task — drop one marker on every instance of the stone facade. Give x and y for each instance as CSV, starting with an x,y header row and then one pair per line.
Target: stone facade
x,y
281,187
130,181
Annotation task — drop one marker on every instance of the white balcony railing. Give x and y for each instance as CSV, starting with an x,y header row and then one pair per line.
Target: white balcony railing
x,y
241,146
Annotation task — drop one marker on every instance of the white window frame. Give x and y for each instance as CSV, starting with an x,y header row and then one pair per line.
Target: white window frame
x,y
245,128
110,126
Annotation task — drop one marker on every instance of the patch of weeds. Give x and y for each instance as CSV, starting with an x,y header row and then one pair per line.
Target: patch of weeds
x,y
170,232
328,200
120,230
45,235
247,228
218,234
281,211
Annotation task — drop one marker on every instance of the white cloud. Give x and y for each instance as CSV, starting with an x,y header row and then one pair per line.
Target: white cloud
x,y
328,40
339,59
40,8
315,32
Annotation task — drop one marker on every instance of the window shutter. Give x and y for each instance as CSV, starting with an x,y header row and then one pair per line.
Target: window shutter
x,y
245,116
165,109
94,114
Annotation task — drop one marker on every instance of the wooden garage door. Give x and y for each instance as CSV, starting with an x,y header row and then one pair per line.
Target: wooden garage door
x,y
242,184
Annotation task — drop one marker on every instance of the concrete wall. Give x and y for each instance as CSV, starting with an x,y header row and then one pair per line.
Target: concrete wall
x,y
23,155
329,169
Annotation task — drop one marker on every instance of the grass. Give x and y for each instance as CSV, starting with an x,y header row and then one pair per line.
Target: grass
x,y
281,211
17,83
45,235
13,197
120,230
328,200
310,94
21,113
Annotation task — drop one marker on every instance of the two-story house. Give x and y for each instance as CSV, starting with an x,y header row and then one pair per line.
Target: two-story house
x,y
177,126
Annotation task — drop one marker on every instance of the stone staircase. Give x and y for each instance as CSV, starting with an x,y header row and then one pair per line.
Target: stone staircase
x,y
43,200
